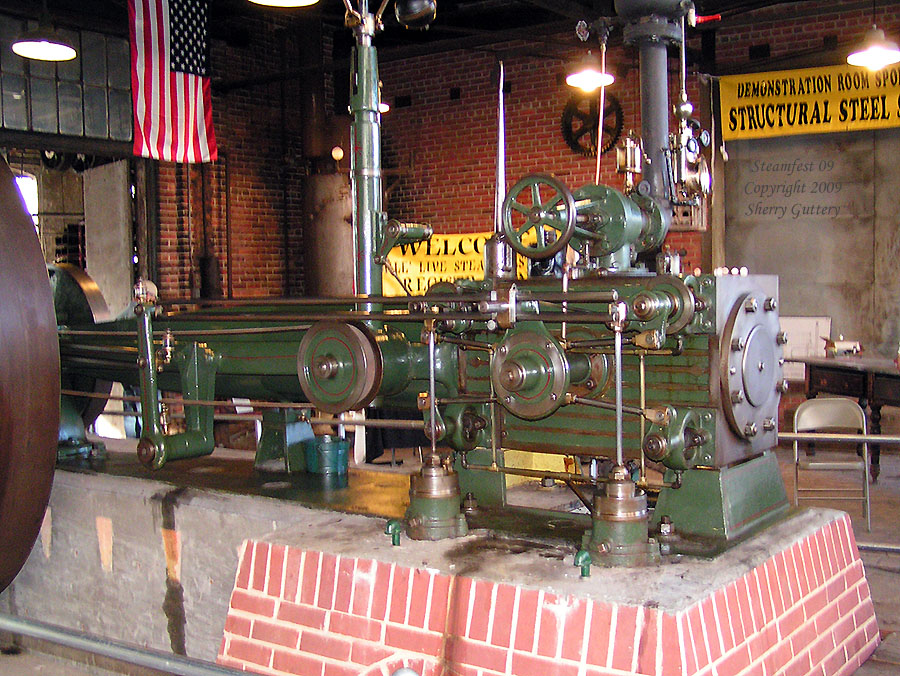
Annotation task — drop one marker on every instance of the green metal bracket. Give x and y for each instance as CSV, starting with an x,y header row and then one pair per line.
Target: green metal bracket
x,y
489,488
197,365
583,561
396,233
394,528
281,442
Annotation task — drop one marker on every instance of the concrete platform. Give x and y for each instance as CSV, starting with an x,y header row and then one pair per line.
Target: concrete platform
x,y
156,564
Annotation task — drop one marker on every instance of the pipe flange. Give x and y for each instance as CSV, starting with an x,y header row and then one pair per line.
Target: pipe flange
x,y
620,501
339,366
751,369
652,29
530,372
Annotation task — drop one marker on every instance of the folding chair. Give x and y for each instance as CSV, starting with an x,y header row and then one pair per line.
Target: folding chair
x,y
829,415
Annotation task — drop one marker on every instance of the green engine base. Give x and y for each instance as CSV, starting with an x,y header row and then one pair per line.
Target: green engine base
x,y
73,441
725,504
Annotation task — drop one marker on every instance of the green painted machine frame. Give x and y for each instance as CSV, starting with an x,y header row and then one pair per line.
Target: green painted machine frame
x,y
491,365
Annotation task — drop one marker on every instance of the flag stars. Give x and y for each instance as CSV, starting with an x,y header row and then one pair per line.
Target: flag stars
x,y
188,36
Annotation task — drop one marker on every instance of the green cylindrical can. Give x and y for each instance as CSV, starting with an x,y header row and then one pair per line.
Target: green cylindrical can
x,y
326,455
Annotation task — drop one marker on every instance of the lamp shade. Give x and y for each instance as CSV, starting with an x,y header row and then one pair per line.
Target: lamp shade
x,y
588,75
876,52
43,44
415,13
285,3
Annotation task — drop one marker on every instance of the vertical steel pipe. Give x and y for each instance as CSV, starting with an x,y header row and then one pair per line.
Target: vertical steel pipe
x,y
655,116
500,187
366,159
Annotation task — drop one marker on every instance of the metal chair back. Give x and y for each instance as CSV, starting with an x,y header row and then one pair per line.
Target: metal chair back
x,y
828,415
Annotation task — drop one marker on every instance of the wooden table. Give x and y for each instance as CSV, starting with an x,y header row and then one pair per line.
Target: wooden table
x,y
873,381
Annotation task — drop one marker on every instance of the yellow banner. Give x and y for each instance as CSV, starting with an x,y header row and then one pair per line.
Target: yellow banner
x,y
809,101
443,258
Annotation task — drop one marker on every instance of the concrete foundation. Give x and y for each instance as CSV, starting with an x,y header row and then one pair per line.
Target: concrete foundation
x,y
277,588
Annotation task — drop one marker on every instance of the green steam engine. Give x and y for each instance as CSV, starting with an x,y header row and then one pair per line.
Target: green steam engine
x,y
602,360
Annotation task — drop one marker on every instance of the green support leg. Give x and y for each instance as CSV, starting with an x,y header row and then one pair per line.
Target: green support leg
x,y
280,446
197,365
725,504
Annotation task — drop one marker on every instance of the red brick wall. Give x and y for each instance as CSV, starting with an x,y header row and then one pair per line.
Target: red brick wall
x,y
805,610
258,134
444,148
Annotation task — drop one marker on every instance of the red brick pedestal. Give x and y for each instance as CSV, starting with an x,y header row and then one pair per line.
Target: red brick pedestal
x,y
804,609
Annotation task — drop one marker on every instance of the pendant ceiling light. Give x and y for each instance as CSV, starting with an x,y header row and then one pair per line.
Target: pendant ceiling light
x,y
285,3
44,43
589,74
876,51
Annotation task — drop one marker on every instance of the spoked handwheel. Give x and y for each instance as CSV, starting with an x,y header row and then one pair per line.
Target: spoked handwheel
x,y
539,216
29,382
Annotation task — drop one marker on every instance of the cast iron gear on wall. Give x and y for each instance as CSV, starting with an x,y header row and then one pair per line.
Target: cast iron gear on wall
x,y
579,123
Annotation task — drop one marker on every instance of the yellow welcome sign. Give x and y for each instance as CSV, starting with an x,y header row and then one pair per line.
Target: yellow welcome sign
x,y
443,258
809,101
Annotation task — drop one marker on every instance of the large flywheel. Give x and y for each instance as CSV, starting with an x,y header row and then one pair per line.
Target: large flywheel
x,y
29,382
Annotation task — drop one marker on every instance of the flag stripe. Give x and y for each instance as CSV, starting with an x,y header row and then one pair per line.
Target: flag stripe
x,y
172,110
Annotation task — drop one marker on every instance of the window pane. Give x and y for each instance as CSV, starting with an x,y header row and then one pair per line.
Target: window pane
x,y
93,58
15,107
120,115
70,70
43,105
70,109
95,112
119,62
42,69
9,61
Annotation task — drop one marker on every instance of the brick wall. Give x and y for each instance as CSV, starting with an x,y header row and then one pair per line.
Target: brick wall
x,y
258,134
443,148
805,610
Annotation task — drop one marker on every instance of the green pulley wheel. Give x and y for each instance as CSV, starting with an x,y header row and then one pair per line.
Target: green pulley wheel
x,y
339,366
539,216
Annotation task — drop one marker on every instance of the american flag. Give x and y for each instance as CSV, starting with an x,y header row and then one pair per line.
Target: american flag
x,y
169,84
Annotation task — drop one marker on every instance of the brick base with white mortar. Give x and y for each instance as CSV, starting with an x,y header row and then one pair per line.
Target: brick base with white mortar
x,y
805,610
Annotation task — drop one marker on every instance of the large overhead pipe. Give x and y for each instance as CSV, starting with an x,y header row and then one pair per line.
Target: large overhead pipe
x,y
653,25
366,179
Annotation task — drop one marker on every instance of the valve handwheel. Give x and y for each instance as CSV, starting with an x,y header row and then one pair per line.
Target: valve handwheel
x,y
541,203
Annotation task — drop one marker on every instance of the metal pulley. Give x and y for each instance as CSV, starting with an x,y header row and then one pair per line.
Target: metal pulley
x,y
339,366
530,372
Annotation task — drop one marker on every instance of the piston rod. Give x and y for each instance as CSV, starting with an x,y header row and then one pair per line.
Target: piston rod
x,y
387,424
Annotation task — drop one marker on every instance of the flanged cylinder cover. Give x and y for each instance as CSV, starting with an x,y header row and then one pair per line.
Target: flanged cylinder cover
x,y
752,369
530,372
339,366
